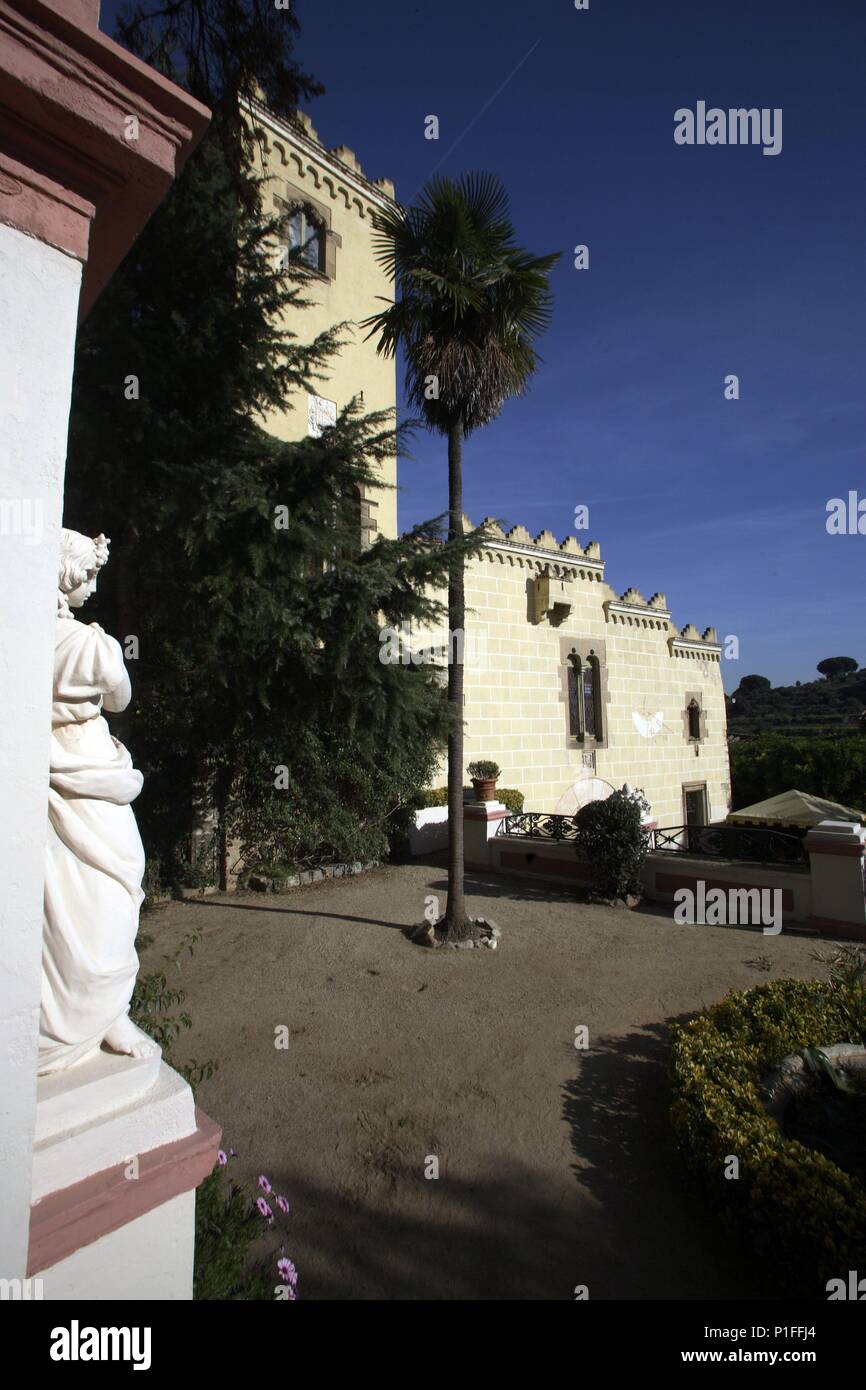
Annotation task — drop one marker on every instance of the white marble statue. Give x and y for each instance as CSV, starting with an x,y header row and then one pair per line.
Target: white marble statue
x,y
94,857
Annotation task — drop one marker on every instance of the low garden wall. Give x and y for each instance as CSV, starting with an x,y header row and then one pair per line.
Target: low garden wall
x,y
545,860
664,873
825,893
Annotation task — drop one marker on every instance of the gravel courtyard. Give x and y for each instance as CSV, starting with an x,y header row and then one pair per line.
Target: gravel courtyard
x,y
555,1165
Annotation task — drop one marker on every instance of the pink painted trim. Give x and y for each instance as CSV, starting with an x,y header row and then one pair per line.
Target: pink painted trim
x,y
76,1216
44,209
558,868
669,883
84,13
68,91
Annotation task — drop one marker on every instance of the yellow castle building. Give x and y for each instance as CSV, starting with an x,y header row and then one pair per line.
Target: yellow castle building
x,y
326,204
573,688
570,686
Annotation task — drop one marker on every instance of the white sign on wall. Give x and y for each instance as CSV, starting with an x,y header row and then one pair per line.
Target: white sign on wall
x,y
320,414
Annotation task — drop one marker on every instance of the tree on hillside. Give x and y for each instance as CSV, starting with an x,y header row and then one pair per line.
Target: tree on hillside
x,y
834,666
753,684
469,305
251,611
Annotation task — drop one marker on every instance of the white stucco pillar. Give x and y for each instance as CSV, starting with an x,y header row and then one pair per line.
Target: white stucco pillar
x,y
75,191
481,822
836,851
39,290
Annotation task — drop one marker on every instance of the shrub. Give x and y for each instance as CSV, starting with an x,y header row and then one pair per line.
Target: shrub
x,y
434,796
157,1008
226,1230
512,798
805,1216
612,839
335,808
438,796
235,1241
847,985
483,768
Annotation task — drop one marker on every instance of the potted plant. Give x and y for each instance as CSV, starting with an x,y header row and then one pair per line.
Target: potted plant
x,y
484,774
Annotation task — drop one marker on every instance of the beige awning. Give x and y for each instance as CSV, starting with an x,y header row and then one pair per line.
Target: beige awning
x,y
793,808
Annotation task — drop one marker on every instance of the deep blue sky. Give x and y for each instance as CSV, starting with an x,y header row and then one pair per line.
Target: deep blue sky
x,y
704,261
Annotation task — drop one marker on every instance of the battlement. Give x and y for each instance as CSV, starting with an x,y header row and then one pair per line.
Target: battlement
x,y
630,608
519,537
295,141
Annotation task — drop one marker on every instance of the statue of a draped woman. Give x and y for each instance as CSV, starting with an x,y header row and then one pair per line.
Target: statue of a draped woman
x,y
94,856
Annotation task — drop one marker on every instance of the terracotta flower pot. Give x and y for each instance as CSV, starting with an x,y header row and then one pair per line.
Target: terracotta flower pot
x,y
485,788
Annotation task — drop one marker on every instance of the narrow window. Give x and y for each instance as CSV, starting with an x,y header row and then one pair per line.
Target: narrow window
x,y
589,701
306,239
592,698
574,727
694,713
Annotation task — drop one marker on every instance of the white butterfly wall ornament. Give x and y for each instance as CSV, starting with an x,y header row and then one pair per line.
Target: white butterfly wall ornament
x,y
648,725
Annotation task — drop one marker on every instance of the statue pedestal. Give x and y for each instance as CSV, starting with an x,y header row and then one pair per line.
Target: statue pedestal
x,y
74,194
119,1151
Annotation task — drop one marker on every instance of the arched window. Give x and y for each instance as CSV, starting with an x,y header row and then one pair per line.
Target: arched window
x,y
306,236
693,711
574,676
584,697
591,698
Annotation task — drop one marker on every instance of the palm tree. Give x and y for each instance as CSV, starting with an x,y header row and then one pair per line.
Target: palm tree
x,y
468,303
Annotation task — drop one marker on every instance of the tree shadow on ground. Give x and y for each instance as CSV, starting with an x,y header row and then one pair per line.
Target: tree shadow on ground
x,y
398,1236
310,912
617,1109
479,884
626,1223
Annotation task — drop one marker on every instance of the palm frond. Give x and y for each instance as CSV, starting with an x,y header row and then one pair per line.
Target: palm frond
x,y
468,301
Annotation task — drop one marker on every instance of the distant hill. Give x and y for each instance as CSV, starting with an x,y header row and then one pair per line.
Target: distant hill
x,y
810,708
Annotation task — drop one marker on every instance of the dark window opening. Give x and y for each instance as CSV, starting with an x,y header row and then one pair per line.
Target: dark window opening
x,y
306,237
573,708
694,714
589,701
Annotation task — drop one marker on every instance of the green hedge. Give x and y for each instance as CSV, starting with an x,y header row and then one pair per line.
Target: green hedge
x,y
805,1216
766,764
438,796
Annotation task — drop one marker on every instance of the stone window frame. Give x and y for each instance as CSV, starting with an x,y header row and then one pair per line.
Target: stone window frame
x,y
576,655
696,787
362,507
294,198
369,524
694,697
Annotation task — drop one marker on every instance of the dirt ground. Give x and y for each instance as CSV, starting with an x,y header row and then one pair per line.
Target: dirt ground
x,y
556,1167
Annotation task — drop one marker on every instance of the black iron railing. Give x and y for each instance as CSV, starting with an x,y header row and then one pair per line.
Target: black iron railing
x,y
538,825
752,844
755,844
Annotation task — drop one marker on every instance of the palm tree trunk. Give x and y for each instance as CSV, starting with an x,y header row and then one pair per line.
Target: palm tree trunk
x,y
456,910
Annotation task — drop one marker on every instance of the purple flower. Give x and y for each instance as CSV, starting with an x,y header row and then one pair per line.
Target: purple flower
x,y
283,1205
264,1184
233,1153
288,1272
264,1209
221,1158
